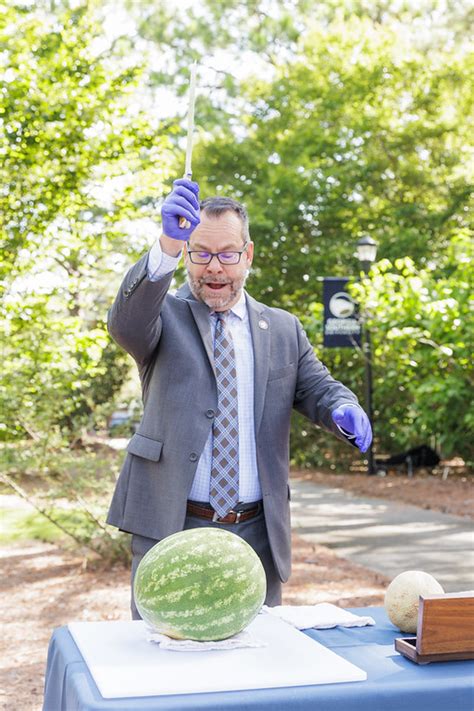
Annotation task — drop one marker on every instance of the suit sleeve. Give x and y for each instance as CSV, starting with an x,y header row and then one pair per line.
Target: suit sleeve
x,y
134,320
317,393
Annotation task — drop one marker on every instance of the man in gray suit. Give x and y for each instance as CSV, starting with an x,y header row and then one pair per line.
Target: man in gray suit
x,y
166,481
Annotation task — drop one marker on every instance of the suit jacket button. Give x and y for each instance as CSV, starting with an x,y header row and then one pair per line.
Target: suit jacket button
x,y
193,456
210,414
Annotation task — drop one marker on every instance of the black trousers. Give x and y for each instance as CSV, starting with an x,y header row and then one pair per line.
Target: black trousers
x,y
253,531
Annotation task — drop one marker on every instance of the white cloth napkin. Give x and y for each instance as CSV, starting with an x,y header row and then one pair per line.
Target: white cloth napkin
x,y
320,617
237,641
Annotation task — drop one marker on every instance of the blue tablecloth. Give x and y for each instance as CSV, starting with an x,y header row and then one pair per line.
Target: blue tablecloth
x,y
393,684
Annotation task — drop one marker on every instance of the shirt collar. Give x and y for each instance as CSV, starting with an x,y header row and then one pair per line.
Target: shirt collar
x,y
240,308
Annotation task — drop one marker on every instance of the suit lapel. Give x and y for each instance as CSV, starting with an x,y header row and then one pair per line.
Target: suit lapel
x,y
261,334
260,331
200,313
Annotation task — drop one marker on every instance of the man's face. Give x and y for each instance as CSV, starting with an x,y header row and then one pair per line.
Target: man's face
x,y
218,285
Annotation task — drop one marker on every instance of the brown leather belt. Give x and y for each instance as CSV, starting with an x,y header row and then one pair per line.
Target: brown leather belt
x,y
231,517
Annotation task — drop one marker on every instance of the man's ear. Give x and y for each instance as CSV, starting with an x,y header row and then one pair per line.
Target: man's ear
x,y
249,253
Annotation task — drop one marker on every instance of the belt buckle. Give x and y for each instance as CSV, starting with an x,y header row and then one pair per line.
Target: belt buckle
x,y
217,519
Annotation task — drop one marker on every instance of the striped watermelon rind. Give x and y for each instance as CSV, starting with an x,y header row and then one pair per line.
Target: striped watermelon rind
x,y
201,584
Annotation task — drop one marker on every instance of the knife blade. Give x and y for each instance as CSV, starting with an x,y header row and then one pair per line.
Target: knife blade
x,y
183,222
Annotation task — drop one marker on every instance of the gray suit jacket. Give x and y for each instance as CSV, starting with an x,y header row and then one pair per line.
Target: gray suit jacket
x,y
170,339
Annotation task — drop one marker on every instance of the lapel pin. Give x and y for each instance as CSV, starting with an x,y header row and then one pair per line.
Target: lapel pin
x,y
263,324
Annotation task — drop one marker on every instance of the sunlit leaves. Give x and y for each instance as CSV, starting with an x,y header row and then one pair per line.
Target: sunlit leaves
x,y
82,166
421,325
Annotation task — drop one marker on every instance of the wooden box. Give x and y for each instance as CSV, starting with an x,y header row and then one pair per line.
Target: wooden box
x,y
445,629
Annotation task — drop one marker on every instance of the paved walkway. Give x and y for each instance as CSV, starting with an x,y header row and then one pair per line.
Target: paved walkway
x,y
385,536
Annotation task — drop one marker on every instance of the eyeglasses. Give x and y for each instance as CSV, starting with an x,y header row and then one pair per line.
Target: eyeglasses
x,y
200,257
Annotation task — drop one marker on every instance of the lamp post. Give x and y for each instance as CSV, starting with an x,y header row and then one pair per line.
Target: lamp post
x,y
366,252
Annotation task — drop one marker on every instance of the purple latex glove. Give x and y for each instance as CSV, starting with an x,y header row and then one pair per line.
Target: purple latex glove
x,y
355,424
182,202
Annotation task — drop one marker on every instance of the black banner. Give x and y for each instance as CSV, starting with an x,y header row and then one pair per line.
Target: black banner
x,y
341,324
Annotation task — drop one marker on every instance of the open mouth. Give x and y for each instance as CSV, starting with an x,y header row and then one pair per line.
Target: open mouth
x,y
215,286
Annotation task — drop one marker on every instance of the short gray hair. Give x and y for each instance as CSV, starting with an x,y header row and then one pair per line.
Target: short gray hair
x,y
216,206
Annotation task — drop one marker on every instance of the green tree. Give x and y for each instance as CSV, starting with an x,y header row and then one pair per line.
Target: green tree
x,y
82,166
348,140
358,123
355,137
421,325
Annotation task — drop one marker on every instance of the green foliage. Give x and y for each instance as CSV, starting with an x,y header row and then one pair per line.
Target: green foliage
x,y
71,507
20,525
421,325
353,137
347,140
353,118
57,122
81,166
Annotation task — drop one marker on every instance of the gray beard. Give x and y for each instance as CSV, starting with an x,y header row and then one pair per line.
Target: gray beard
x,y
217,301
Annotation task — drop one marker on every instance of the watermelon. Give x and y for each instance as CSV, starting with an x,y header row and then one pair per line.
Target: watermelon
x,y
201,584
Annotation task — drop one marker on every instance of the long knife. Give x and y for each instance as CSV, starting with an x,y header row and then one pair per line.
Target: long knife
x,y
183,222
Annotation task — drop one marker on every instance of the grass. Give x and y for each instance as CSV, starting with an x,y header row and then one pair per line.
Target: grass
x,y
21,524
73,487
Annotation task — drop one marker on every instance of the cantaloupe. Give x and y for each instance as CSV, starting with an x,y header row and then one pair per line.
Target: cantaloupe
x,y
403,594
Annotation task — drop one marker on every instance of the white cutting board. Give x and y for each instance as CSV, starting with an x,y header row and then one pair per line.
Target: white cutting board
x,y
124,664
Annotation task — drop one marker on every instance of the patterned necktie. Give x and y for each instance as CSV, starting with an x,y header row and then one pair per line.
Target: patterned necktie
x,y
224,482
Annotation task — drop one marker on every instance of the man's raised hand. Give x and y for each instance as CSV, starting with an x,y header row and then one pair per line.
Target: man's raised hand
x,y
182,202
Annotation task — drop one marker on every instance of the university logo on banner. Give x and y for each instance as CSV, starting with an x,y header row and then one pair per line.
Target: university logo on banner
x,y
341,323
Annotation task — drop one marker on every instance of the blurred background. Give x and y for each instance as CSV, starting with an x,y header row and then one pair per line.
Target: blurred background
x,y
332,121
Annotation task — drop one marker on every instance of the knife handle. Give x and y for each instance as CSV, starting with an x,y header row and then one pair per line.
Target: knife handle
x,y
185,224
